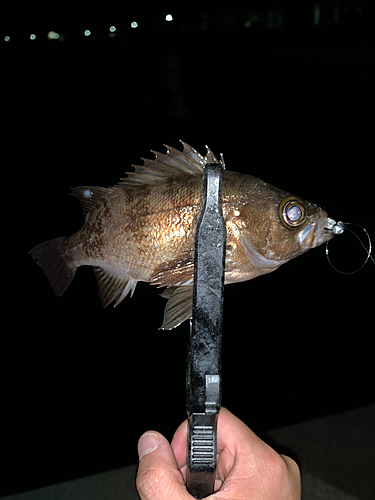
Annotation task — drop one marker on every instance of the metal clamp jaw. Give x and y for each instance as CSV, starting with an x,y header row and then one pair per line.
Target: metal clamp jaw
x,y
203,378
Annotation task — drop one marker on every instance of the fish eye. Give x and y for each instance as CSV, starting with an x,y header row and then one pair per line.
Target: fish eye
x,y
292,212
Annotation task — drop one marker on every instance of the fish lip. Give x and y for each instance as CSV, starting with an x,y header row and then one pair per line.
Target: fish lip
x,y
325,236
322,234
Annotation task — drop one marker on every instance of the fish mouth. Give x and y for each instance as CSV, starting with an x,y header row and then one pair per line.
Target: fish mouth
x,y
324,228
318,232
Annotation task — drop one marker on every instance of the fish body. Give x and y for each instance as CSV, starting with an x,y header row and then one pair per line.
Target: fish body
x,y
143,229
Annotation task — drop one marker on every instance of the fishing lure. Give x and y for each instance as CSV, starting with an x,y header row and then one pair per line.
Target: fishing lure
x,y
339,228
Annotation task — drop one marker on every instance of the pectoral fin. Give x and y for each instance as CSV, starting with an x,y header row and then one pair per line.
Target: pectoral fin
x,y
174,272
179,306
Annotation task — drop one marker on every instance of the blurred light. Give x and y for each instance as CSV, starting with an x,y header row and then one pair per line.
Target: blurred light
x,y
32,36
87,32
7,38
169,17
134,24
336,13
112,29
247,24
52,35
316,14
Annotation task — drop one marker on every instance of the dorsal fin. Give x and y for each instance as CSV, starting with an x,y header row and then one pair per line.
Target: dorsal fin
x,y
89,196
173,163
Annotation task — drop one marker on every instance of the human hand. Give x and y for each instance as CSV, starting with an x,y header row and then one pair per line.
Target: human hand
x,y
247,468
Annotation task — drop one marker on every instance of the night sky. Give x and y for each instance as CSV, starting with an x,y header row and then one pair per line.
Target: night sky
x,y
284,99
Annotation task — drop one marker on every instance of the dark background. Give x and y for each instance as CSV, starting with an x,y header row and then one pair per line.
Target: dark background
x,y
285,99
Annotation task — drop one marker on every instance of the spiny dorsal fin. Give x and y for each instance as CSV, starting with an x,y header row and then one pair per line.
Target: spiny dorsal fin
x,y
173,163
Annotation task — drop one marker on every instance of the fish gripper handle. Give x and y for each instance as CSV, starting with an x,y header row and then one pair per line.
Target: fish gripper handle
x,y
203,377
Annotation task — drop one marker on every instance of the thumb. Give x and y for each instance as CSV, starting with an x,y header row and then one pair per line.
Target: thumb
x,y
158,476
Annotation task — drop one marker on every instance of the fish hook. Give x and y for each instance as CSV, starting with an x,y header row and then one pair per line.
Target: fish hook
x,y
338,228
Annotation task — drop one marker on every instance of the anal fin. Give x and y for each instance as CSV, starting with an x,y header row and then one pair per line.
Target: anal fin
x,y
112,287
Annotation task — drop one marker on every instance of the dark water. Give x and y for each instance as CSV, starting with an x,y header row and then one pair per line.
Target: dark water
x,y
290,105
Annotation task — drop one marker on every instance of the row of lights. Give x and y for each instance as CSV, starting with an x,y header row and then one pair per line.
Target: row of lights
x,y
53,35
273,19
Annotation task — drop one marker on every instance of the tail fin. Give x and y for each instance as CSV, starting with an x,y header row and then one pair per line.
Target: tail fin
x,y
50,256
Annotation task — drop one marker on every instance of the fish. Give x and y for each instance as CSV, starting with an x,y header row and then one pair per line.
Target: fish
x,y
143,229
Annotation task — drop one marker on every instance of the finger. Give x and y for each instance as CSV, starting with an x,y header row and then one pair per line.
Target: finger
x,y
231,431
239,446
294,475
179,444
234,434
158,476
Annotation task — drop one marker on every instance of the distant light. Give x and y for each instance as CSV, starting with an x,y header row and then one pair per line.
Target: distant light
x,y
316,14
134,24
7,38
52,35
87,32
247,24
169,17
32,36
112,29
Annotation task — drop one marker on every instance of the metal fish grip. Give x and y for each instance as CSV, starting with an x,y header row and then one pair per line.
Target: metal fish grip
x,y
203,378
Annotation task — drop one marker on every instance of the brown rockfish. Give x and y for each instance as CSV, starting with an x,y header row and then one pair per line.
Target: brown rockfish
x,y
143,229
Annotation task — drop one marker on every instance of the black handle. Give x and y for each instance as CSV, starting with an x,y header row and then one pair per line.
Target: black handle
x,y
203,379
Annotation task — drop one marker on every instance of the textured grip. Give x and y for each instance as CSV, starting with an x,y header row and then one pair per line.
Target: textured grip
x,y
203,447
201,470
